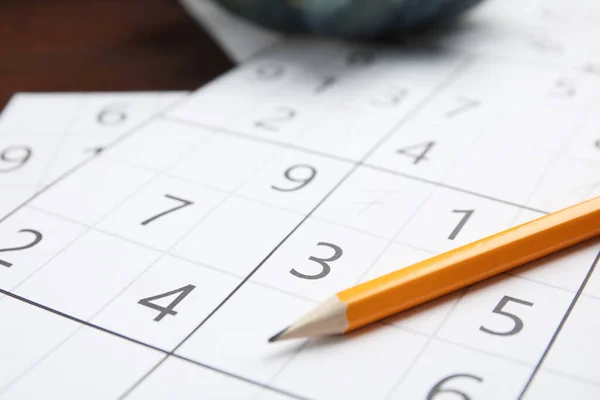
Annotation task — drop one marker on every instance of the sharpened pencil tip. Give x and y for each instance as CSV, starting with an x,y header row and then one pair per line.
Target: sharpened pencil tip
x,y
277,336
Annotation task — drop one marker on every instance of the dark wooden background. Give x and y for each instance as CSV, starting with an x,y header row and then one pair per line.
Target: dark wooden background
x,y
103,45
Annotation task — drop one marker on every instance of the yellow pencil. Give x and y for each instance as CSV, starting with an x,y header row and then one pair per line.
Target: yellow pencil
x,y
447,272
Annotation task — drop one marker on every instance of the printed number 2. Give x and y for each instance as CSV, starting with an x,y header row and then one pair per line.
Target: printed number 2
x,y
170,309
321,261
518,321
37,238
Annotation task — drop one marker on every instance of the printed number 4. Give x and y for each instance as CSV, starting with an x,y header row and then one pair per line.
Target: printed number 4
x,y
518,322
417,152
169,309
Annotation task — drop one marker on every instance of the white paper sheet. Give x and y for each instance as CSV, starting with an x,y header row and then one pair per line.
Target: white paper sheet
x,y
160,267
44,135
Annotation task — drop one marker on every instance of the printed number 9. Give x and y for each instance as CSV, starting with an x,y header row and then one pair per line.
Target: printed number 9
x,y
112,115
302,181
17,155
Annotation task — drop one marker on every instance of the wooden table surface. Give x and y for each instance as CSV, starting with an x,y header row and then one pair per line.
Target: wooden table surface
x,y
103,45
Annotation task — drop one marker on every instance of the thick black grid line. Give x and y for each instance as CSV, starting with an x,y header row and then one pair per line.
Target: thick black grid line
x,y
238,287
355,167
559,328
133,340
362,163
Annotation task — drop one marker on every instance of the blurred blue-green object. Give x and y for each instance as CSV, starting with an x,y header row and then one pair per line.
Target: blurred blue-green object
x,y
348,18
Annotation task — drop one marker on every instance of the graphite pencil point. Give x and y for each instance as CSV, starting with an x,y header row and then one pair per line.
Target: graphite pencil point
x,y
276,337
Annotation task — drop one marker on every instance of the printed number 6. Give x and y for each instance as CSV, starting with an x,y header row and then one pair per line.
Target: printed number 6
x,y
438,388
321,261
518,321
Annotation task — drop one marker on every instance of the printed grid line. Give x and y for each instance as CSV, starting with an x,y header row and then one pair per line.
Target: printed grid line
x,y
59,146
283,291
362,163
559,328
136,128
356,165
129,339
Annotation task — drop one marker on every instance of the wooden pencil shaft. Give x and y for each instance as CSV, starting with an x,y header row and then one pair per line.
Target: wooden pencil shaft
x,y
469,264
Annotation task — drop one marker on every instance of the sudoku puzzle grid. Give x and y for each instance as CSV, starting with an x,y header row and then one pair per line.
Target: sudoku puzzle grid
x,y
43,135
159,268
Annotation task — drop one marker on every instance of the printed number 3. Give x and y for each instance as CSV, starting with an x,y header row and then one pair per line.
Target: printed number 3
x,y
518,321
325,268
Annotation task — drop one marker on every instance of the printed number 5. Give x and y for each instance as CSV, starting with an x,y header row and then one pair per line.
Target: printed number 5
x,y
518,321
322,261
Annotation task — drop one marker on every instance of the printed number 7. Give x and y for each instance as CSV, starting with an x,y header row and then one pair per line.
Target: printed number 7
x,y
461,223
185,203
